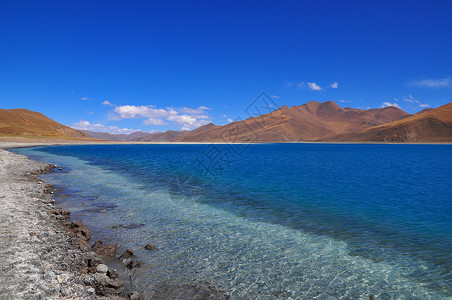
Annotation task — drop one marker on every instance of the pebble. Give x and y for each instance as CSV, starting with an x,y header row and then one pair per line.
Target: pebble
x,y
101,268
134,296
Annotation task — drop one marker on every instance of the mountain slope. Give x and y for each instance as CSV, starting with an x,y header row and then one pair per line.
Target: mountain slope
x,y
310,121
23,122
116,137
166,136
430,126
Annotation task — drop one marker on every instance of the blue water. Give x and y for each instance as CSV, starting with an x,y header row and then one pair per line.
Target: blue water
x,y
269,221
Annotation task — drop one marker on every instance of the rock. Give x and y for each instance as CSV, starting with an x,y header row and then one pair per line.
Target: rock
x,y
101,268
133,264
92,263
372,297
134,296
127,254
60,168
112,274
148,247
108,287
91,290
107,250
79,230
133,225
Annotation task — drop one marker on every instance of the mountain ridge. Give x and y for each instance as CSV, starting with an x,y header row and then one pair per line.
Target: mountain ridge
x,y
307,122
24,122
433,125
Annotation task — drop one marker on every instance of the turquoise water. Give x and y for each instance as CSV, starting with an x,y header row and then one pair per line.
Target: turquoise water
x,y
269,221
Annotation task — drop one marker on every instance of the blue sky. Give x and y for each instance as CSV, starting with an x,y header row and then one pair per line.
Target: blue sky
x,y
119,66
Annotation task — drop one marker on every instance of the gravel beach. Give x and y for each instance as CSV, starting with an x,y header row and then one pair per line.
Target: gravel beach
x,y
43,255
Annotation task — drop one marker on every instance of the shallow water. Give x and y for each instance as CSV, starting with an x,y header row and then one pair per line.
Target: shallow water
x,y
293,221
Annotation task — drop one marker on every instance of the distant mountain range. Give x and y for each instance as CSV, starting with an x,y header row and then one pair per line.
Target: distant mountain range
x,y
433,125
313,121
24,122
115,137
308,122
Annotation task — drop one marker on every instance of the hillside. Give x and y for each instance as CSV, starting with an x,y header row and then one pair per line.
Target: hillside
x,y
433,125
166,136
23,122
310,121
116,137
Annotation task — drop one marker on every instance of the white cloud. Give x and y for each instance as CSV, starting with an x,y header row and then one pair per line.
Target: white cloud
x,y
154,121
107,103
410,99
230,120
345,101
195,111
187,122
86,125
433,83
275,97
84,98
386,104
334,85
189,119
314,86
132,111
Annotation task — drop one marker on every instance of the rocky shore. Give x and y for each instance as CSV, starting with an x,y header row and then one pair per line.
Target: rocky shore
x,y
43,254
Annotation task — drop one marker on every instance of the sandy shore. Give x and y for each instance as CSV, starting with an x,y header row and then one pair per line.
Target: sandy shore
x,y
43,255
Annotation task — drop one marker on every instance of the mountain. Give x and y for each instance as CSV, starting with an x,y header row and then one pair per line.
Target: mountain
x,y
116,137
434,125
423,111
23,122
310,121
166,136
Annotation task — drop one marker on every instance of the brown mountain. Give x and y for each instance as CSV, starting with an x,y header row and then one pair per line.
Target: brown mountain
x,y
434,125
116,137
310,121
23,122
160,136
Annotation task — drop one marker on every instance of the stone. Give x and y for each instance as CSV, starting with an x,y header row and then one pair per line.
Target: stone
x,y
91,290
112,274
108,287
79,230
133,264
101,268
148,247
107,250
133,225
127,254
134,296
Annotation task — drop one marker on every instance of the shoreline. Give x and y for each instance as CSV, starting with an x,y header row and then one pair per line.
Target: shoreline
x,y
24,142
44,254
